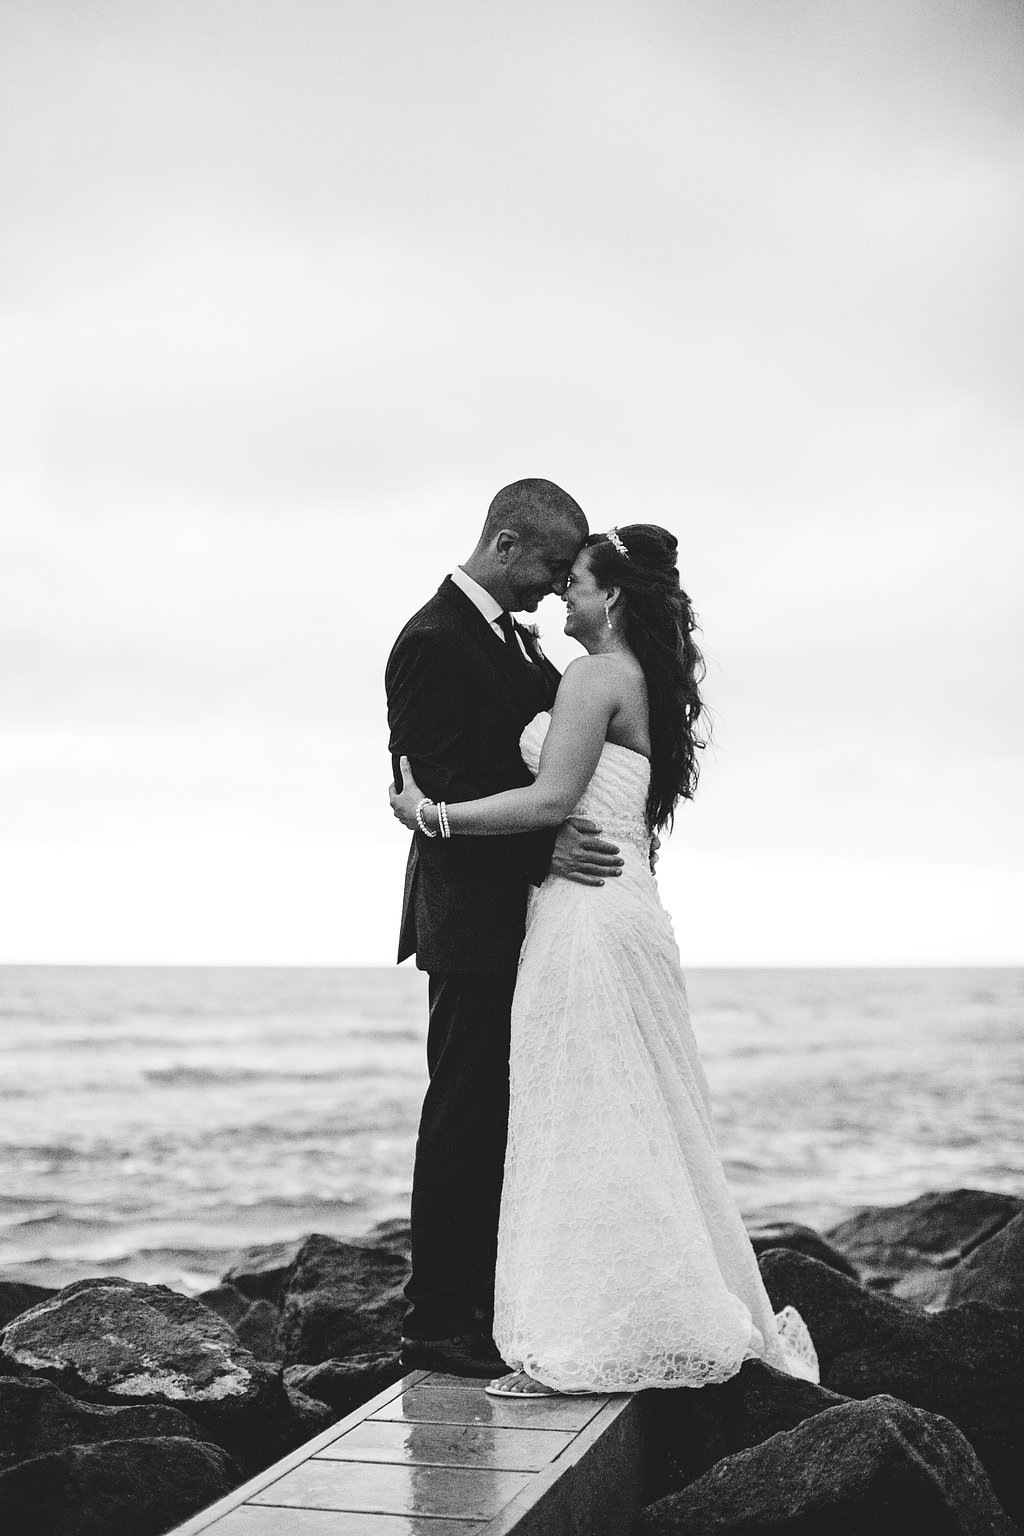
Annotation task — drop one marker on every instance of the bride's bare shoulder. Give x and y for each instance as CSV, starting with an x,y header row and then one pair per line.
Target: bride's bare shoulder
x,y
608,683
611,667
588,672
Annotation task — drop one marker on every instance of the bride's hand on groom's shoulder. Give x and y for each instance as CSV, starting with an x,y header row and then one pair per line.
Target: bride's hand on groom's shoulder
x,y
581,854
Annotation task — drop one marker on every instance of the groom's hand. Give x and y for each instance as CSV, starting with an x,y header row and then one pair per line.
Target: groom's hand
x,y
582,855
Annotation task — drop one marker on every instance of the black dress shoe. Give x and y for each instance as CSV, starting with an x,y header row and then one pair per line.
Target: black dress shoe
x,y
464,1354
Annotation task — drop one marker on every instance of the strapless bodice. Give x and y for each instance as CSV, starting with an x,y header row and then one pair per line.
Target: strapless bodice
x,y
616,797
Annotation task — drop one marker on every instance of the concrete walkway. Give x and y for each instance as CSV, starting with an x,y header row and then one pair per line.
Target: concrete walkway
x,y
435,1456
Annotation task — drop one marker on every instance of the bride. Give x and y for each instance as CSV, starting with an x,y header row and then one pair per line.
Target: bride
x,y
622,1259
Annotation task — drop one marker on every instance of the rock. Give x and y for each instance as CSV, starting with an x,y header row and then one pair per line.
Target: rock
x,y
994,1271
16,1296
908,1248
345,1384
341,1301
876,1468
258,1330
966,1363
119,1488
691,1430
262,1272
791,1234
117,1341
394,1233
228,1303
311,1415
840,1314
36,1418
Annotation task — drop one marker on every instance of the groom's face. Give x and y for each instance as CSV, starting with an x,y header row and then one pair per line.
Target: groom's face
x,y
538,568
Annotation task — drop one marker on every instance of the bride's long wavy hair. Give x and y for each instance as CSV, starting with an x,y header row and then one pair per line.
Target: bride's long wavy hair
x,y
658,627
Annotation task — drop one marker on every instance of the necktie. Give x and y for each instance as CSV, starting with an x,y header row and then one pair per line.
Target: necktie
x,y
504,622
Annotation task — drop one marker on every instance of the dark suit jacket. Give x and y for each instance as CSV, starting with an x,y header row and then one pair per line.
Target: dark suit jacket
x,y
458,699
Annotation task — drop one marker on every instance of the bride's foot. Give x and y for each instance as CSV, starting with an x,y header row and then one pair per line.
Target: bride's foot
x,y
519,1384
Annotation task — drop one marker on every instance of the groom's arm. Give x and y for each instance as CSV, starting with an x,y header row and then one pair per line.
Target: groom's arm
x,y
431,715
428,720
428,716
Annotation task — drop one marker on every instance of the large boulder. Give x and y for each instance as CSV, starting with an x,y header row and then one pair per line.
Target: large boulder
x,y
262,1272
345,1384
792,1234
227,1302
341,1301
966,1363
36,1417
266,1272
255,1322
910,1249
119,1341
16,1296
840,1314
257,1330
311,1415
119,1488
877,1468
395,1233
690,1431
994,1271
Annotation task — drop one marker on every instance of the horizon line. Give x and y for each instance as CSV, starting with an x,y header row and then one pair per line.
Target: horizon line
x,y
344,965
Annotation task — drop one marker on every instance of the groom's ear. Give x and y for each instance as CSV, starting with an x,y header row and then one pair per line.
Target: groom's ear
x,y
506,544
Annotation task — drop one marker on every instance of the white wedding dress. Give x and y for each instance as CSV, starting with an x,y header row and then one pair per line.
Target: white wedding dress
x,y
622,1259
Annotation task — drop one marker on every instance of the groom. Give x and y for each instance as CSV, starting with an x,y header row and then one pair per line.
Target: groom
x,y
463,680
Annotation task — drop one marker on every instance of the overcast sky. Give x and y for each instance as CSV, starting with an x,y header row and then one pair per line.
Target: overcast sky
x,y
291,287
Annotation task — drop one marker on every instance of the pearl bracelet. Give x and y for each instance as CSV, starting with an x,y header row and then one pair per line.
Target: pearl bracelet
x,y
420,822
442,818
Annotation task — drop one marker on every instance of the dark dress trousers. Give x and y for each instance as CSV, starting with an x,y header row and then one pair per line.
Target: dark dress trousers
x,y
459,697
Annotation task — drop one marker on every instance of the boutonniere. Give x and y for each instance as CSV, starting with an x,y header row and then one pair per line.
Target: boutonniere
x,y
533,630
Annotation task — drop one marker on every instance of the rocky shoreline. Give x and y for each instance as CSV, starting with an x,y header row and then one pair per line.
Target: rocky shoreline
x,y
124,1407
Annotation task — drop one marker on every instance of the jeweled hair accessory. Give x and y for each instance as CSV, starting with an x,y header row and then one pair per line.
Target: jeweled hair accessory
x,y
613,538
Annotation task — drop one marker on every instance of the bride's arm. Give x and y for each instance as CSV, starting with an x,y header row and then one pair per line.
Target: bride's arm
x,y
584,704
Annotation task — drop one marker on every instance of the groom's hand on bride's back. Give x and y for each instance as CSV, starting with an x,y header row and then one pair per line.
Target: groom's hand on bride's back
x,y
583,855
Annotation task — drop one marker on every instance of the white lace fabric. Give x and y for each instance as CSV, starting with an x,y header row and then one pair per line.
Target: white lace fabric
x,y
622,1259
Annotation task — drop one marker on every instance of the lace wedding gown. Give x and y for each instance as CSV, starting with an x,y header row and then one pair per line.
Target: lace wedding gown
x,y
622,1259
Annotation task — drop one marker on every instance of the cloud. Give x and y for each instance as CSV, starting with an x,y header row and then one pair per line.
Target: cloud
x,y
290,290
296,255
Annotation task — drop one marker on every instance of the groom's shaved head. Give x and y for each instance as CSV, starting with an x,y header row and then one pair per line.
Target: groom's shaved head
x,y
532,534
533,509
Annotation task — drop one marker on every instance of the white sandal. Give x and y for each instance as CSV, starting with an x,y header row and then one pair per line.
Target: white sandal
x,y
495,1389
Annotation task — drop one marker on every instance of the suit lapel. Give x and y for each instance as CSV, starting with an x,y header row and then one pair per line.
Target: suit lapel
x,y
530,642
511,669
541,666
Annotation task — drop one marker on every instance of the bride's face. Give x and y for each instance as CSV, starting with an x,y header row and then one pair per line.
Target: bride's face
x,y
584,601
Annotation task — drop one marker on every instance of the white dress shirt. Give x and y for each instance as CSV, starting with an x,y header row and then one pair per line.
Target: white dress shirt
x,y
488,605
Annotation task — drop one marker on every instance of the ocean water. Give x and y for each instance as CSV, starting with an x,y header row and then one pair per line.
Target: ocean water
x,y
153,1121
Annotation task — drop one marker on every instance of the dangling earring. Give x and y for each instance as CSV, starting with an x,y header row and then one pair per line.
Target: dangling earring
x,y
608,611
